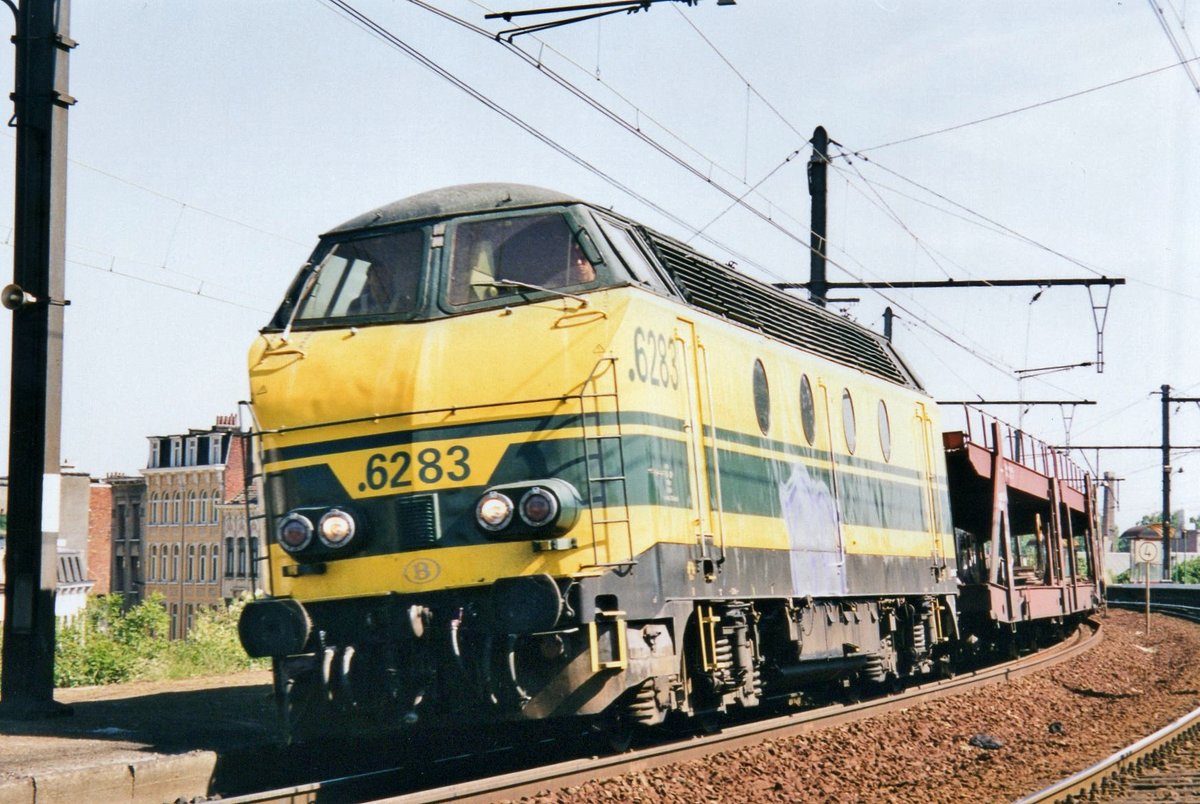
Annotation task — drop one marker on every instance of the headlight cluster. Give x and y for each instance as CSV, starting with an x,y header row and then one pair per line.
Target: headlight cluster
x,y
335,530
535,508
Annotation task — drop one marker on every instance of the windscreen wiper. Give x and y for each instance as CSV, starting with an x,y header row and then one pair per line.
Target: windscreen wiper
x,y
305,289
513,283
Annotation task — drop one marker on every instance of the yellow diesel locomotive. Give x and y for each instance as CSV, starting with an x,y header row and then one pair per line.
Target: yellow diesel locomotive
x,y
525,458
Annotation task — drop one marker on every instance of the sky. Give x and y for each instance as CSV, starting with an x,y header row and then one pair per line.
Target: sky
x,y
213,142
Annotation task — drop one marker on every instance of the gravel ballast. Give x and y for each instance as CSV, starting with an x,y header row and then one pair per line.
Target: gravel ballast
x,y
995,744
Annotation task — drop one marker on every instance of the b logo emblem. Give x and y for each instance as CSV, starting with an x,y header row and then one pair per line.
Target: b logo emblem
x,y
422,570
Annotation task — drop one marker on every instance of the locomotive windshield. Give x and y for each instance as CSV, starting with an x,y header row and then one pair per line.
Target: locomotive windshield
x,y
473,262
365,277
496,256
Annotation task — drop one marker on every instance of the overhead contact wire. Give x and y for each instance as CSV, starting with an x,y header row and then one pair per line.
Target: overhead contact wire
x,y
1028,107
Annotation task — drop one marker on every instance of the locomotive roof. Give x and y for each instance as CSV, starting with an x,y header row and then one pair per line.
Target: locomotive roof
x,y
703,282
462,199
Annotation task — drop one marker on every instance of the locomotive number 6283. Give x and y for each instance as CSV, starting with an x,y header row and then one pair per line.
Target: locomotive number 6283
x,y
396,470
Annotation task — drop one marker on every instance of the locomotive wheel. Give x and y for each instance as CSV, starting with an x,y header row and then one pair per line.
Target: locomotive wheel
x,y
614,731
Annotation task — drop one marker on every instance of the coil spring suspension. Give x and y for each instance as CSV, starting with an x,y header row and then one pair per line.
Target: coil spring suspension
x,y
643,709
723,653
918,635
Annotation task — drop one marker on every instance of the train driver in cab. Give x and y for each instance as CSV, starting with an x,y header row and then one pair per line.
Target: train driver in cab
x,y
582,270
376,294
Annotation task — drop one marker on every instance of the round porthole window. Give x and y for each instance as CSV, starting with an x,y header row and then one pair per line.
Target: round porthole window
x,y
808,410
762,397
848,425
885,432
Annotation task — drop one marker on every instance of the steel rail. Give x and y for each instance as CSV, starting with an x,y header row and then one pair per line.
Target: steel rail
x,y
1177,610
574,772
1091,779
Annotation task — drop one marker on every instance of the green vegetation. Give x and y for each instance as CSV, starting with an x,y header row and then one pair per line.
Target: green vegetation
x,y
104,645
1186,571
212,646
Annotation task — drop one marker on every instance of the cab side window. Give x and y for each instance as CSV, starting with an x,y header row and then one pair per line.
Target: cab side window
x,y
633,254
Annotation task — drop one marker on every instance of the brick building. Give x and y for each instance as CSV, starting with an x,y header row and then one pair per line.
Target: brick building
x,y
100,537
189,477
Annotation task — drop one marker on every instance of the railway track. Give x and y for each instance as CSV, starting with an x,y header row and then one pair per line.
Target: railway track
x,y
1162,767
395,784
1168,760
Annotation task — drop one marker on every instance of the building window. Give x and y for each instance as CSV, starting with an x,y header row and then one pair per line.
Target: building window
x,y
136,530
191,563
154,508
215,496
153,561
176,451
191,451
177,507
215,558
191,506
162,564
191,610
214,449
241,558
175,562
153,463
203,563
174,619
229,557
203,516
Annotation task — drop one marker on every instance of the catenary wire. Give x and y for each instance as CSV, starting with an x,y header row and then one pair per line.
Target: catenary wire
x,y
1026,108
737,200
1166,28
614,117
367,23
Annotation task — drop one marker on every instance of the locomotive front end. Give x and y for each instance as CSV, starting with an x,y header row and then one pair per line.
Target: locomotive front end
x,y
433,406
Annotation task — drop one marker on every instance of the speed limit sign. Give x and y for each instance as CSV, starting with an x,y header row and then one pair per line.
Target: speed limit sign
x,y
1146,550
